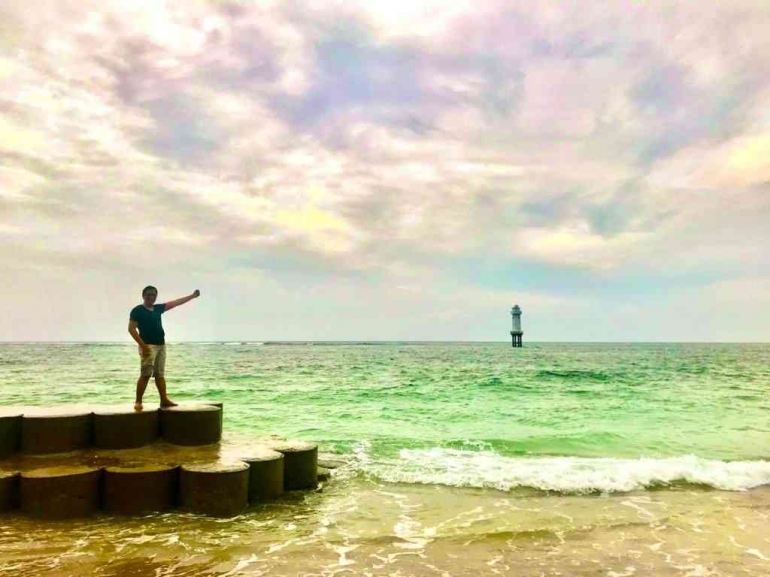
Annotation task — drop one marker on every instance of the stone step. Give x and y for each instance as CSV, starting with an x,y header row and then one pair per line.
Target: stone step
x,y
69,461
40,431
56,430
191,425
220,488
10,431
300,463
121,427
60,492
158,477
266,481
133,489
9,490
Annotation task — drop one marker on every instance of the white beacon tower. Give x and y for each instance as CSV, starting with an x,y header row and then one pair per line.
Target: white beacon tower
x,y
516,332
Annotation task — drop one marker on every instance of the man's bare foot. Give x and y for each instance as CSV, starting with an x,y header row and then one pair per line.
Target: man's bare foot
x,y
167,403
137,406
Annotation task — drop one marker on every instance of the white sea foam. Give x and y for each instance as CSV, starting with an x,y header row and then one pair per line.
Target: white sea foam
x,y
486,469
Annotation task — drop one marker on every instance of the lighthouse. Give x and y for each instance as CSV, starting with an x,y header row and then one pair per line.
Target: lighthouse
x,y
516,332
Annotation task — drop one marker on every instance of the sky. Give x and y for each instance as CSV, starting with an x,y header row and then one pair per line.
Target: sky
x,y
400,170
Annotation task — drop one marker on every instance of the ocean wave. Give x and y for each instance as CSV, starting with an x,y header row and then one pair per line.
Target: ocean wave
x,y
485,469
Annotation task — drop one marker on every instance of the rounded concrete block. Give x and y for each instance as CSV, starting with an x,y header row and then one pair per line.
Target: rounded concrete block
x,y
219,488
10,432
300,465
191,425
219,404
124,428
56,430
60,492
9,491
139,489
265,474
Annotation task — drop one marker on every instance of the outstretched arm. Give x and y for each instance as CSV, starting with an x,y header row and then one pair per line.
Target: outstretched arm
x,y
175,303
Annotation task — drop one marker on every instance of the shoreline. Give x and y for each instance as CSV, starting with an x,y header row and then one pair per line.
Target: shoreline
x,y
363,527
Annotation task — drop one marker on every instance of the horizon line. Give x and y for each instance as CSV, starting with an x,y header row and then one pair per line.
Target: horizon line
x,y
353,341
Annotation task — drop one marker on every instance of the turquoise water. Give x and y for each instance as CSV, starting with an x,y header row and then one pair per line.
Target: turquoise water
x,y
454,459
581,416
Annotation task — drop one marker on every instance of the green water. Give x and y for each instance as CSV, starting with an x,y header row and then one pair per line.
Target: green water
x,y
458,459
446,405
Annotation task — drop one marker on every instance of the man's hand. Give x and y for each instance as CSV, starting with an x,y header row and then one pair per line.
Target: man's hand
x,y
175,303
145,350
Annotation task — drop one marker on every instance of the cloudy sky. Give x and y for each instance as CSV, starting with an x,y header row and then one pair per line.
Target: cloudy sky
x,y
398,170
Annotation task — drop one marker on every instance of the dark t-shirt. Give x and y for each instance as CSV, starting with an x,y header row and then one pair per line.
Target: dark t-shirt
x,y
149,323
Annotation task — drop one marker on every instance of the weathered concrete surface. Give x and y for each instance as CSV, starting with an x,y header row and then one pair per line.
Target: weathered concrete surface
x,y
265,474
191,424
56,430
130,490
158,453
60,492
121,427
219,404
9,490
300,465
10,432
220,489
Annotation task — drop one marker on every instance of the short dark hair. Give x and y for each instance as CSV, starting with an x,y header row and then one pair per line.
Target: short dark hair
x,y
149,287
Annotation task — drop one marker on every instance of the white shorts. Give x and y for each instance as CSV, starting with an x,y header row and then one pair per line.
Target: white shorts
x,y
154,363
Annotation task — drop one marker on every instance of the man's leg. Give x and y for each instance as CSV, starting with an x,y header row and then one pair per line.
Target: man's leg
x,y
141,385
160,377
145,372
160,382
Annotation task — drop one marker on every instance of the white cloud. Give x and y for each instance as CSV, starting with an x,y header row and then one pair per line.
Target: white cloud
x,y
375,140
730,165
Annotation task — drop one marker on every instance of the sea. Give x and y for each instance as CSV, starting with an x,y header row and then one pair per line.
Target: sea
x,y
604,459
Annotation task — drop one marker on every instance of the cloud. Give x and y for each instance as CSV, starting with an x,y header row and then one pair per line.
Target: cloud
x,y
734,164
379,142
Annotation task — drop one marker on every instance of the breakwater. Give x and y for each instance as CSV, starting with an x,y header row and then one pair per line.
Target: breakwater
x,y
72,461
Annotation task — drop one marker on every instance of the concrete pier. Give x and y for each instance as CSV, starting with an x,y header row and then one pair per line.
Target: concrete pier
x,y
51,469
220,489
10,432
60,492
191,424
121,427
300,465
56,430
266,473
144,488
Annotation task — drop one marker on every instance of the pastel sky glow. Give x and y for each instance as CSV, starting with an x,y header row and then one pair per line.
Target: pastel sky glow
x,y
398,170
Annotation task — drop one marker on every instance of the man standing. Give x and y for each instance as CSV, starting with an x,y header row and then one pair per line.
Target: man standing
x,y
152,342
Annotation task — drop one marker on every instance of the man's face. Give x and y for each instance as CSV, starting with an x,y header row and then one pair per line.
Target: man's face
x,y
149,297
